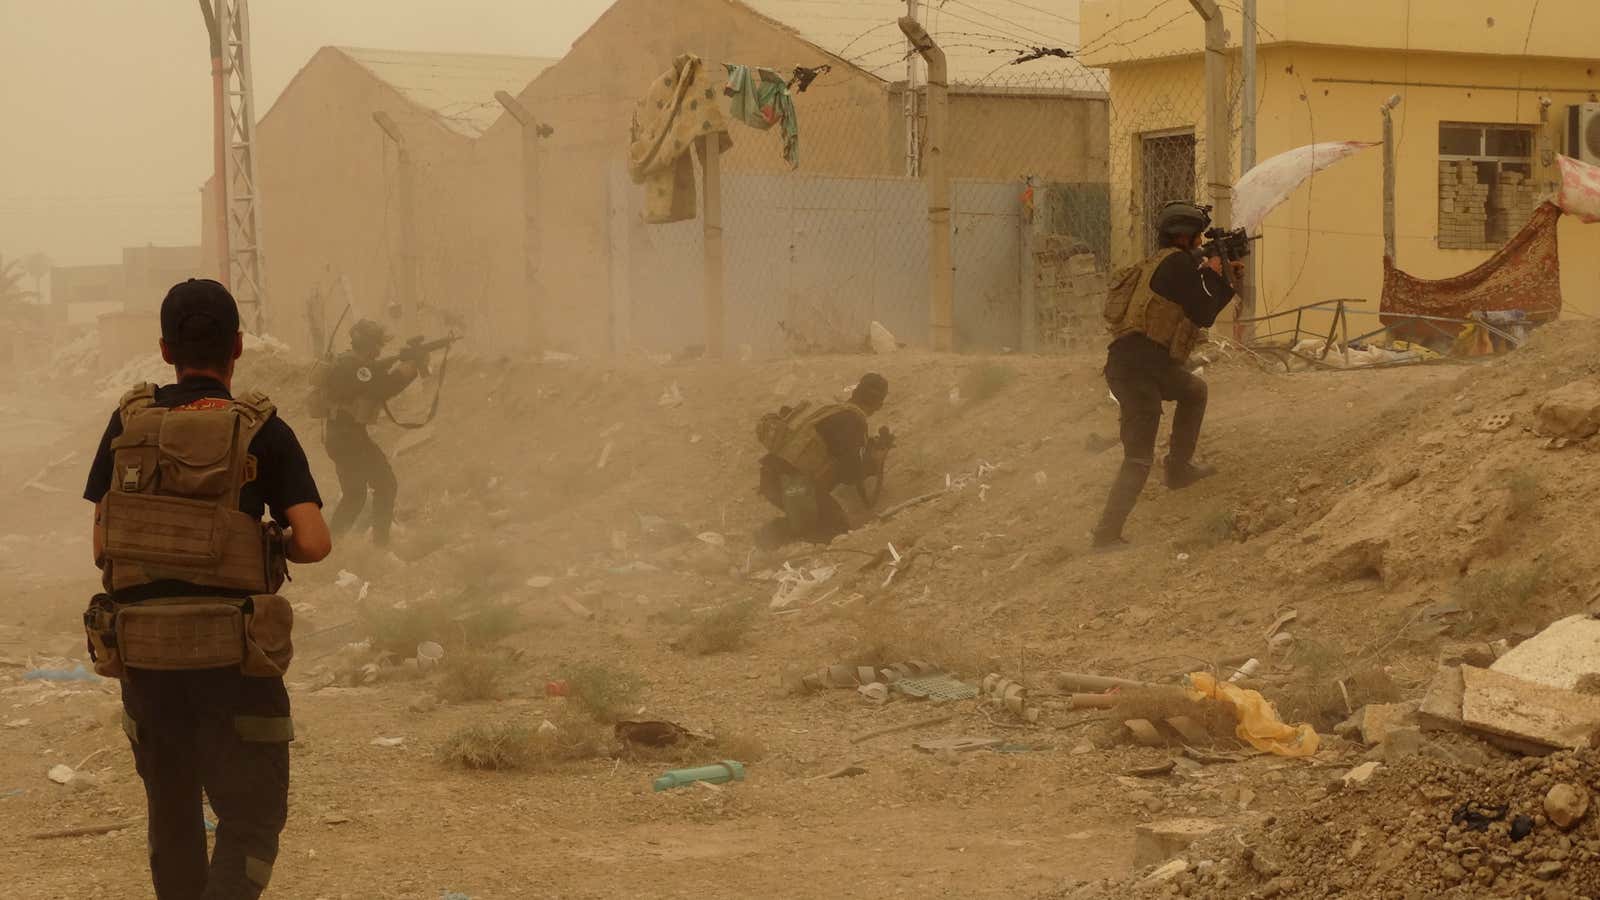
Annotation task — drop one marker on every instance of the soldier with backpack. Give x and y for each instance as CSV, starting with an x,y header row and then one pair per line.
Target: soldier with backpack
x,y
1156,311
811,451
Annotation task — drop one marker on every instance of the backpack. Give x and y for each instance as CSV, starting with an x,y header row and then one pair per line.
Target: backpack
x,y
772,429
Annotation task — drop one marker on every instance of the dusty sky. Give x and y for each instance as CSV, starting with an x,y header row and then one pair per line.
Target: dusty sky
x,y
105,113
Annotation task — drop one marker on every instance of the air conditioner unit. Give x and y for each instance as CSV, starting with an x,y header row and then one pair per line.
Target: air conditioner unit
x,y
1583,132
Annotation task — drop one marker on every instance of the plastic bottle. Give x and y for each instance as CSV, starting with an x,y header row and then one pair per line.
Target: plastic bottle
x,y
721,773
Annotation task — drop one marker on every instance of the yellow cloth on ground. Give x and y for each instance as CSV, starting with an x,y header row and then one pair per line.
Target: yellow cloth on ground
x,y
681,106
1259,725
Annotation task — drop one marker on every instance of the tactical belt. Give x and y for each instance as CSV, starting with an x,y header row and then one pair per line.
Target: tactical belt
x,y
189,633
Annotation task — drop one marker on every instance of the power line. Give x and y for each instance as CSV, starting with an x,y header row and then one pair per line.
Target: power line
x,y
1019,38
1025,29
1043,12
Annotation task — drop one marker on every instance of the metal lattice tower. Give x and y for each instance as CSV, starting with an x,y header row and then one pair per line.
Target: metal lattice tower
x,y
246,274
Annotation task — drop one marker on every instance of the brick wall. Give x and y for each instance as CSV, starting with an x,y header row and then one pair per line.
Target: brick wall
x,y
1069,290
1478,214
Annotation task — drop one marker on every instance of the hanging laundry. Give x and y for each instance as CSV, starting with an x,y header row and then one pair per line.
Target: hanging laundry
x,y
761,101
680,107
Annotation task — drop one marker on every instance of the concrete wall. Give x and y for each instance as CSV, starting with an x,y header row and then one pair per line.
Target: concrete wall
x,y
1011,136
1326,241
816,261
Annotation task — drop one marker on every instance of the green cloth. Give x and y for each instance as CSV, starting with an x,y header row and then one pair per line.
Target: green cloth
x,y
762,101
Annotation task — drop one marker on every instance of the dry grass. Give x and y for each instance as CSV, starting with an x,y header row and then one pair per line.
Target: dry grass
x,y
1215,528
884,637
741,747
605,693
1156,705
1315,696
469,617
723,630
465,677
1496,599
518,746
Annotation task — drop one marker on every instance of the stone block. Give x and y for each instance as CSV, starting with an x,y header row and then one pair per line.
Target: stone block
x,y
1158,842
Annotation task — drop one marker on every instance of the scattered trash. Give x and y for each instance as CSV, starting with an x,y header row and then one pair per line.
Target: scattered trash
x,y
937,687
1361,774
1521,827
346,579
576,608
655,734
1249,668
720,773
1476,817
848,771
712,538
1143,733
1039,478
18,723
388,741
539,582
905,726
671,396
556,688
785,385
1258,722
955,396
956,744
1183,557
429,653
60,774
635,567
605,455
1152,771
548,728
876,692
1494,423
1009,694
795,585
1283,619
76,673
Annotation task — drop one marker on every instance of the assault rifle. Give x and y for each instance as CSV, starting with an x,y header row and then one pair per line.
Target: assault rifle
x,y
1231,245
416,351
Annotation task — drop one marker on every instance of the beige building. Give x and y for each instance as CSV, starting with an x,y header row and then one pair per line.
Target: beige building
x,y
336,193
1486,97
1046,119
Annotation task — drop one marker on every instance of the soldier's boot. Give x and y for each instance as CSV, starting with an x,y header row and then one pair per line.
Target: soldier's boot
x,y
1181,469
1124,495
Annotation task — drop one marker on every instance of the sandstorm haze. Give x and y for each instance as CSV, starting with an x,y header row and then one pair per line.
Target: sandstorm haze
x,y
107,107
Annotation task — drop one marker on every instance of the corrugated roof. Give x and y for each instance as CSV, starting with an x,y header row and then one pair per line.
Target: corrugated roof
x,y
458,88
979,37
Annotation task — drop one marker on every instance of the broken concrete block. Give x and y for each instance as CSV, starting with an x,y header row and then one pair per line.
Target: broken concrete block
x,y
1558,656
1361,774
1167,872
1565,805
1503,705
1401,742
1572,411
1478,654
1160,841
882,339
1379,719
1441,705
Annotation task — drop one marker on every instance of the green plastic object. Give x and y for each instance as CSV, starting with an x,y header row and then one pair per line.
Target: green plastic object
x,y
721,773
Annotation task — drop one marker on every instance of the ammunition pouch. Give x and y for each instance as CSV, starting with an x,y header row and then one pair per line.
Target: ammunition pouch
x,y
188,633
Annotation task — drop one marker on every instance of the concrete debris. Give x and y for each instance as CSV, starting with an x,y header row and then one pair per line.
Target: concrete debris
x,y
1167,872
1441,705
882,339
61,774
1361,774
1572,411
1566,805
1558,656
1529,713
876,693
1400,742
956,744
1157,842
1378,719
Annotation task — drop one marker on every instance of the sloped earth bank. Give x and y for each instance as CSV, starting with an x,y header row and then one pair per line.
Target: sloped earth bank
x,y
1369,502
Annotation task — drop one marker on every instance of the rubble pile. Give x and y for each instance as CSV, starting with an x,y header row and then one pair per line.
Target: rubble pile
x,y
1421,828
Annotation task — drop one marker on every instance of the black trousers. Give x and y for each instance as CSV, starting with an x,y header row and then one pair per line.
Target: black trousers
x,y
809,512
1141,381
361,465
217,731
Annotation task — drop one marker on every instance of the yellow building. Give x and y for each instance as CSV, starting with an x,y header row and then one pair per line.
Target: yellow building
x,y
1486,92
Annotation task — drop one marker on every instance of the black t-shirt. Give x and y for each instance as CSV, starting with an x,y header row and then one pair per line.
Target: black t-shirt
x,y
845,435
283,477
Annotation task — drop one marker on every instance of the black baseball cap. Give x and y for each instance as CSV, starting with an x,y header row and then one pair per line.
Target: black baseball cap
x,y
198,311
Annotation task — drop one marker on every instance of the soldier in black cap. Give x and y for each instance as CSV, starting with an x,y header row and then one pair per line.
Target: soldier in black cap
x,y
179,505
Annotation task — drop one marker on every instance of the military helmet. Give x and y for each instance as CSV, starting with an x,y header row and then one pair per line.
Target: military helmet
x,y
872,388
368,332
1183,217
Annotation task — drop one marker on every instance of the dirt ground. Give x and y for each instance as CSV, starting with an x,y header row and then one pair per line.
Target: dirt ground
x,y
603,512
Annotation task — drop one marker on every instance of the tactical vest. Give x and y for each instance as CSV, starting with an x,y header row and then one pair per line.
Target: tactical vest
x,y
803,447
173,508
1133,307
345,392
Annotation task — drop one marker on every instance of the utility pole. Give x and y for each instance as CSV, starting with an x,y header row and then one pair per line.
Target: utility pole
x,y
532,220
219,143
408,223
913,124
1218,134
1247,153
246,274
941,302
1388,175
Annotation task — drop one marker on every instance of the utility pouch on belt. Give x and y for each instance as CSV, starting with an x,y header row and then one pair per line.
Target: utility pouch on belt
x,y
191,633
